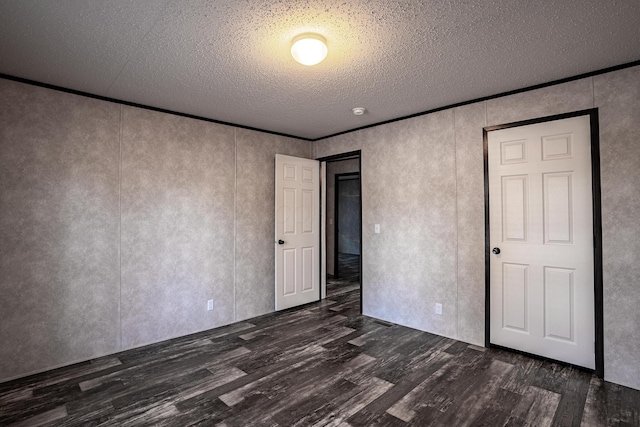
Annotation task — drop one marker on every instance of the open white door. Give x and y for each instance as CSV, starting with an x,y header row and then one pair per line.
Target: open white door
x,y
541,227
297,239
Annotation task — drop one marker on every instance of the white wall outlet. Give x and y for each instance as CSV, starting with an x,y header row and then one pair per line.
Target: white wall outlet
x,y
438,308
377,228
210,304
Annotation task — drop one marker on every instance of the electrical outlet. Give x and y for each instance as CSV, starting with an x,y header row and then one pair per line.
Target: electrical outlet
x,y
438,308
377,228
210,304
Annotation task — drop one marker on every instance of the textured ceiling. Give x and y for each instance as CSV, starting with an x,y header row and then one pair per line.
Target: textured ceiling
x,y
229,60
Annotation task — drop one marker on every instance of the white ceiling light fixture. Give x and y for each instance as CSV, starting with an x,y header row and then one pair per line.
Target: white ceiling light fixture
x,y
309,49
358,111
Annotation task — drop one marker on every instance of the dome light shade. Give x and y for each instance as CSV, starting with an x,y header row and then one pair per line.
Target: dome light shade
x,y
309,49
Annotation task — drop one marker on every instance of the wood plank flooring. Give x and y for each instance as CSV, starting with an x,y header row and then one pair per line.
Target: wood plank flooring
x,y
319,365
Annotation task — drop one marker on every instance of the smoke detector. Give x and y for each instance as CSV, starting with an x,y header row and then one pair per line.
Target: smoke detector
x,y
358,111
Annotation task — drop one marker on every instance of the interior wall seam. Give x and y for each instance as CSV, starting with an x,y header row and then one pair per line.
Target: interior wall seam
x,y
235,219
455,168
120,228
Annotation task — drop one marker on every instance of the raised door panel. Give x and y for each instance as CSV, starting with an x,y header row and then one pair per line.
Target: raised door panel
x,y
308,270
307,211
289,270
307,174
515,296
556,147
559,303
558,207
289,172
289,211
514,208
513,152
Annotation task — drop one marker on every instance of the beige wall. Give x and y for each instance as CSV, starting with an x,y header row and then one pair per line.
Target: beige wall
x,y
117,224
422,180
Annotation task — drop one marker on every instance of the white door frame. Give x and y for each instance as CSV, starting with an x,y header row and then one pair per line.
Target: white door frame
x,y
597,226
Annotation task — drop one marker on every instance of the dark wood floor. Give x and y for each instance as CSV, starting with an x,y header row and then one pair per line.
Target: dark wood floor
x,y
322,364
348,278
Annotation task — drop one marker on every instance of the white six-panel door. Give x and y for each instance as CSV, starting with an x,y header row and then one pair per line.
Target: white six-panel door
x,y
541,220
297,239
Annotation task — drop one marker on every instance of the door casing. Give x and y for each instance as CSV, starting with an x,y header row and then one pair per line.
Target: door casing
x,y
597,226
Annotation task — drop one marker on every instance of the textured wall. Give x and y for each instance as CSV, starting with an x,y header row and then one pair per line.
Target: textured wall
x,y
389,173
558,99
118,224
617,95
177,225
469,120
59,226
333,168
255,217
408,187
409,170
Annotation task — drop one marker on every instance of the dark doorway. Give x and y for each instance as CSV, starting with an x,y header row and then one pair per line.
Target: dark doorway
x,y
343,226
347,226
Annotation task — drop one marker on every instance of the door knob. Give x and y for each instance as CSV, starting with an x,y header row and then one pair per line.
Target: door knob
x,y
281,242
496,251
